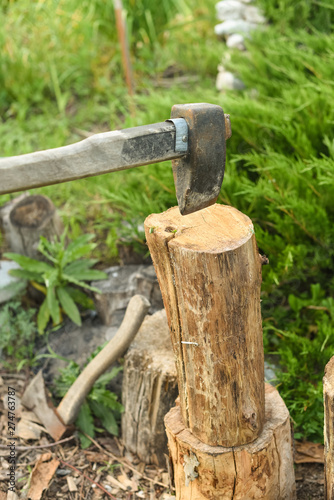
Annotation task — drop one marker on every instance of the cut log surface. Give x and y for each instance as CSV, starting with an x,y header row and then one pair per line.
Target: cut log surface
x,y
262,469
149,390
328,382
209,272
28,219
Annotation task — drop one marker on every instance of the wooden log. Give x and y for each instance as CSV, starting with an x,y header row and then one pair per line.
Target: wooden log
x,y
262,469
149,390
209,273
328,384
28,219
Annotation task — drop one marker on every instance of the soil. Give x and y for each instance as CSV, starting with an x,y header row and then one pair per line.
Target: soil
x,y
104,470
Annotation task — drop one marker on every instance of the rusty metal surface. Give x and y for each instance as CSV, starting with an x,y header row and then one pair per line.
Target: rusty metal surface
x,y
199,175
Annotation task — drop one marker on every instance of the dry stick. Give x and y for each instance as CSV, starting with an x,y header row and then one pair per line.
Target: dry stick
x,y
87,477
125,463
123,40
23,448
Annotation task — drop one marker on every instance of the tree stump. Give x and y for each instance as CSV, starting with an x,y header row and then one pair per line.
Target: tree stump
x,y
328,383
260,470
209,271
28,219
149,390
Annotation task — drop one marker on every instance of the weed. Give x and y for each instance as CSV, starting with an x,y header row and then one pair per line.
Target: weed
x,y
61,280
18,331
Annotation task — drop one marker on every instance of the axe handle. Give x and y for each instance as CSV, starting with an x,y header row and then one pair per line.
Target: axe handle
x,y
136,311
99,154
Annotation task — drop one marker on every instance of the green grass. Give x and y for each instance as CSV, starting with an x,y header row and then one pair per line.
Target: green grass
x,y
60,72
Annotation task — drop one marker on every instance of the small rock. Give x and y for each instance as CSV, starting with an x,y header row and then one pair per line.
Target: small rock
x,y
253,14
234,26
236,41
229,9
227,81
9,286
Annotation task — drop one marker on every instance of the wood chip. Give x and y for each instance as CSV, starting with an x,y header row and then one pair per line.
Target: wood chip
x,y
116,483
71,484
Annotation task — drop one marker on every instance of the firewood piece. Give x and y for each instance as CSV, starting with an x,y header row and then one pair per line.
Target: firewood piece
x,y
209,273
28,219
262,469
149,390
328,383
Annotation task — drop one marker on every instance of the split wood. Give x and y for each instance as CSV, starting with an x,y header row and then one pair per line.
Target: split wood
x,y
209,272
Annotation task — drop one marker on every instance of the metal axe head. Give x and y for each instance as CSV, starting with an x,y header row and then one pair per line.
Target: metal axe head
x,y
199,174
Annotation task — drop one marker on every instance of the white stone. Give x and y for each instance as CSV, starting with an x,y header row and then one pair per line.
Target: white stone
x,y
229,9
9,286
236,41
234,26
252,14
227,81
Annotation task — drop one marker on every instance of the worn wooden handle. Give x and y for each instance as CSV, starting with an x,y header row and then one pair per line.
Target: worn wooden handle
x,y
136,311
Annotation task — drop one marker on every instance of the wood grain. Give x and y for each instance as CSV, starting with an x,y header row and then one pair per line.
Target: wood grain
x,y
328,383
262,469
149,390
209,273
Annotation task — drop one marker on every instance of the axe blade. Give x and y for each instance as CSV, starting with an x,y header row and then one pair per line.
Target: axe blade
x,y
199,174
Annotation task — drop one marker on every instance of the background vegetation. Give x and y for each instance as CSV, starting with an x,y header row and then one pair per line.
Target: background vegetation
x,y
61,75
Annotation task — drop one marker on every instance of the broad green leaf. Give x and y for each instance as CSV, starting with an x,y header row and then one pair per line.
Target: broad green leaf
x,y
80,297
26,275
80,265
106,416
43,317
29,264
53,305
85,423
78,248
82,284
50,278
68,304
89,275
15,287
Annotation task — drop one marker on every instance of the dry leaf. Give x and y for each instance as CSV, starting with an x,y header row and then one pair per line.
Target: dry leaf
x,y
307,452
41,475
26,429
35,398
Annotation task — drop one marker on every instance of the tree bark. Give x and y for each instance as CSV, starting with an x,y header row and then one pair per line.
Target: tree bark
x,y
25,221
149,390
209,273
328,383
262,469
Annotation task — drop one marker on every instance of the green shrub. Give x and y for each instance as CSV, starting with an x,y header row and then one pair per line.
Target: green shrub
x,y
18,331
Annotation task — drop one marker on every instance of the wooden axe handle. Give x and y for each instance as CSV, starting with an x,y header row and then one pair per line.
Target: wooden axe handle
x,y
136,311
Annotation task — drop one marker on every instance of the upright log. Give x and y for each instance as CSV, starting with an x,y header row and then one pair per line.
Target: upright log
x,y
262,469
209,272
28,219
328,383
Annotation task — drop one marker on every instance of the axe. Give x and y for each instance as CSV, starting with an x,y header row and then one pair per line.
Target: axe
x,y
193,138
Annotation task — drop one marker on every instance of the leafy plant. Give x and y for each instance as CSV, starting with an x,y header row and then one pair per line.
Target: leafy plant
x,y
18,331
61,280
100,402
